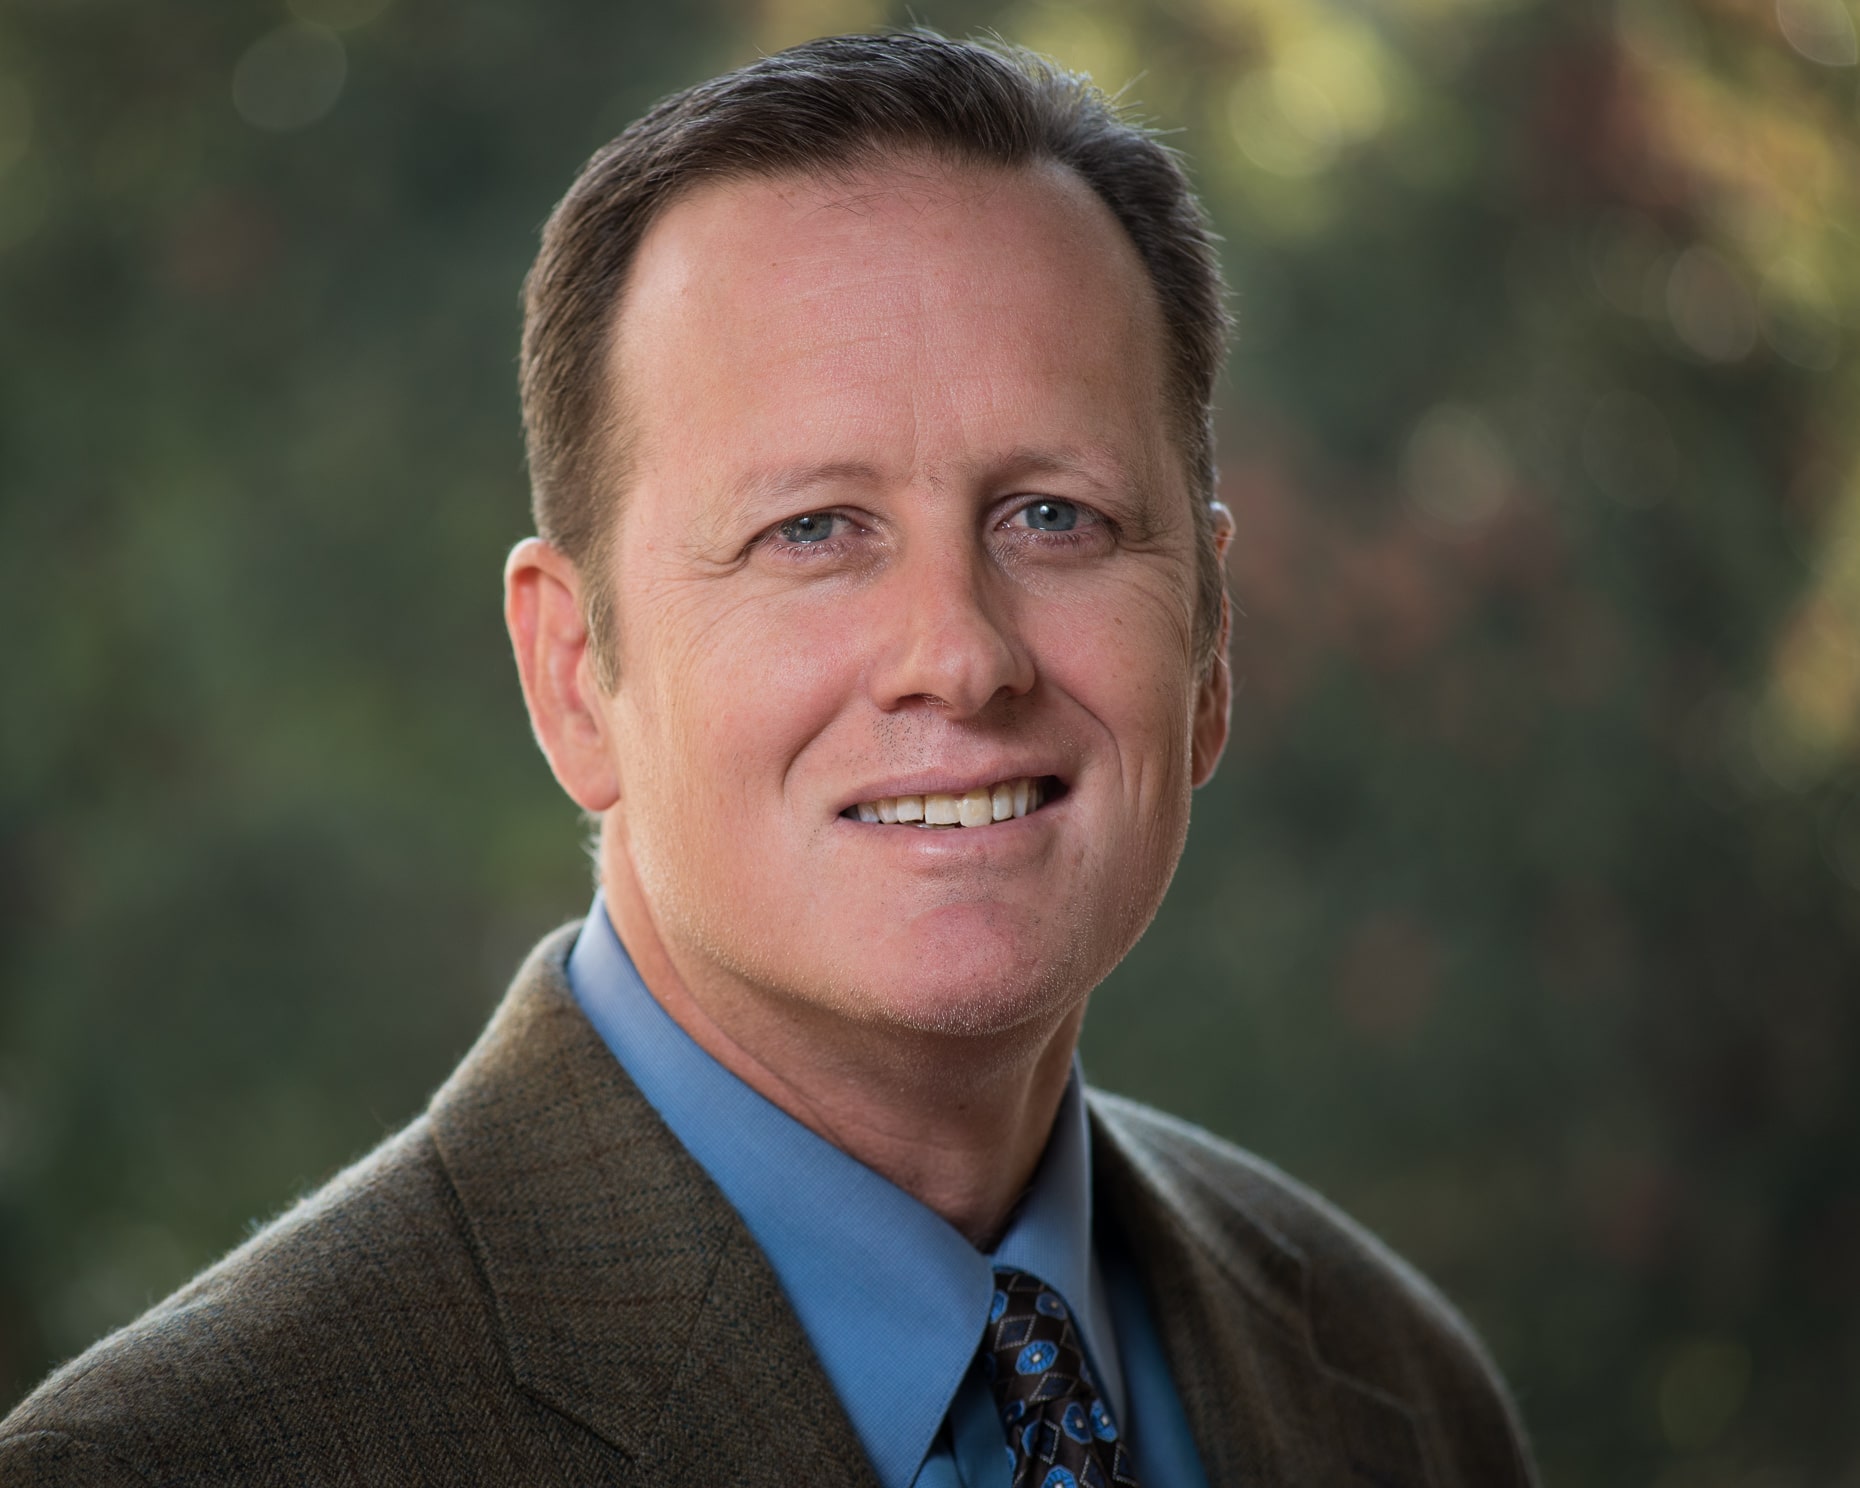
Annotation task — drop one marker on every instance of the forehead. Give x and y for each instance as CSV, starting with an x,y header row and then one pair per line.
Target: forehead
x,y
1032,218
910,294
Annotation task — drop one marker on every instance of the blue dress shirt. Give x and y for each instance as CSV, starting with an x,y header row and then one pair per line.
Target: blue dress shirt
x,y
891,1296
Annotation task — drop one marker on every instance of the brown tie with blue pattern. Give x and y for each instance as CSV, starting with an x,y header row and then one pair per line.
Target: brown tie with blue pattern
x,y
1060,1433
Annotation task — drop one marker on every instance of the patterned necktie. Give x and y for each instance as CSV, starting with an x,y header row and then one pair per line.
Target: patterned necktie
x,y
1060,1434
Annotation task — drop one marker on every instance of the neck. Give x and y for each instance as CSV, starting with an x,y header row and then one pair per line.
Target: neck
x,y
957,1121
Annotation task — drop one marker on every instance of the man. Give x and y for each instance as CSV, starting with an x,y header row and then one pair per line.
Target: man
x,y
877,616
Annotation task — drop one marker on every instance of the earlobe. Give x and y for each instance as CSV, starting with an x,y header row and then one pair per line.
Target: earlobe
x,y
1214,700
549,634
1213,709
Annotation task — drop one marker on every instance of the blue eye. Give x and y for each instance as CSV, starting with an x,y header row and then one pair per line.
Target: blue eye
x,y
1051,516
811,527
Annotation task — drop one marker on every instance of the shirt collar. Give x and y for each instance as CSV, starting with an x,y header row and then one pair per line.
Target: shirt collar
x,y
891,1296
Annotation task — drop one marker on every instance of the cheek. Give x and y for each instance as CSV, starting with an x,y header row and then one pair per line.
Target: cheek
x,y
1122,651
720,699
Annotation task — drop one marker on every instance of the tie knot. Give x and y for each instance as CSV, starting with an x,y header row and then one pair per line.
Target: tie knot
x,y
1060,1432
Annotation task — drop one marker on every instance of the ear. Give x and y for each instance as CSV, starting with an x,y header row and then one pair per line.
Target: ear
x,y
1214,700
549,633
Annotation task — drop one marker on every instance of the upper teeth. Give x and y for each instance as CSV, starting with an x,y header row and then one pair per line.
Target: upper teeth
x,y
973,808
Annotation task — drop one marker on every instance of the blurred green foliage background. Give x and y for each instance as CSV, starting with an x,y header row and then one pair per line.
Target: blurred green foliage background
x,y
1524,917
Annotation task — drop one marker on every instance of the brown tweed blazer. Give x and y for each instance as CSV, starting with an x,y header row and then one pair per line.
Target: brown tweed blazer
x,y
535,1284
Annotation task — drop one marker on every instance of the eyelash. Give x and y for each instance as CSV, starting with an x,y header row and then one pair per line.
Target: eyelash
x,y
1092,521
774,539
1089,522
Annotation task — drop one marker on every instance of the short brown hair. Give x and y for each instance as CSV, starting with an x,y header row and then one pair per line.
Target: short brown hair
x,y
825,107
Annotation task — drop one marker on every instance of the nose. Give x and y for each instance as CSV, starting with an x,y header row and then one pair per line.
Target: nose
x,y
951,641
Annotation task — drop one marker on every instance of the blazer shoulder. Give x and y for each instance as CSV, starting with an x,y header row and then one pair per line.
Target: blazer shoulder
x,y
1367,1314
50,1459
360,1299
1219,1182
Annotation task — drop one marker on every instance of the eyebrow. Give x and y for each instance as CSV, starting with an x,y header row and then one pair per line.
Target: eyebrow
x,y
773,485
1101,471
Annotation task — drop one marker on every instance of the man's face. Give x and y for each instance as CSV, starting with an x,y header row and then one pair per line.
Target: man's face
x,y
903,519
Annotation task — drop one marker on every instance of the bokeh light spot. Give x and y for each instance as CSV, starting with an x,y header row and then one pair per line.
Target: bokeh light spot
x,y
290,77
1821,30
1787,753
1702,1390
1455,469
1283,122
1798,317
1814,696
1711,309
1345,66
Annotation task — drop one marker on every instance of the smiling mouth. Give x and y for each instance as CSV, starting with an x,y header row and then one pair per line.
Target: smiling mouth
x,y
981,807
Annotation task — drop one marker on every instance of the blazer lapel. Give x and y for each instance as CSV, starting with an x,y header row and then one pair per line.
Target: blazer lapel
x,y
630,1295
1229,1300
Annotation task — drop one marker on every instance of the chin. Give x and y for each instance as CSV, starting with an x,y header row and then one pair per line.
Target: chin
x,y
974,970
971,996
